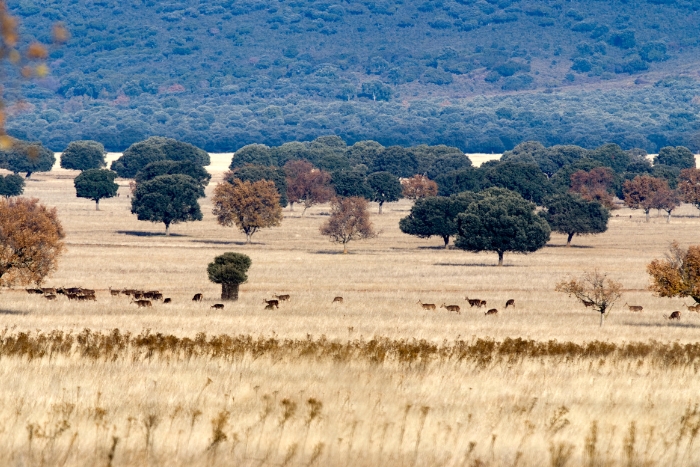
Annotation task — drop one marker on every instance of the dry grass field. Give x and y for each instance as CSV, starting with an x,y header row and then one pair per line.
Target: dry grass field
x,y
375,380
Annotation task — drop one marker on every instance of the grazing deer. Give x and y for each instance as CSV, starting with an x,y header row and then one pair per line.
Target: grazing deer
x,y
427,306
48,291
587,304
283,298
167,300
510,302
197,297
217,306
454,308
50,296
695,308
492,311
675,315
142,303
635,308
475,302
274,303
337,300
269,307
114,293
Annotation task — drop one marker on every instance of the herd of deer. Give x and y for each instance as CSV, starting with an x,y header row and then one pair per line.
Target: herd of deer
x,y
473,302
674,315
72,293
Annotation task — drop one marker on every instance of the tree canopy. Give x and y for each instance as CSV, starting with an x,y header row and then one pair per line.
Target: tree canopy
x,y
500,220
250,206
689,186
436,215
418,186
96,184
523,178
170,167
641,193
157,148
385,188
349,221
169,199
254,173
306,184
11,185
351,183
31,240
27,157
572,215
83,155
229,270
678,275
678,156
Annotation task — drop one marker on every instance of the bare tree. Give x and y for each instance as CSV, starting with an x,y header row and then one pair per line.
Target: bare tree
x,y
593,289
349,221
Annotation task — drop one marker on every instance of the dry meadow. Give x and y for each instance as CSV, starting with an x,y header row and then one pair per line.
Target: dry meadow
x,y
374,380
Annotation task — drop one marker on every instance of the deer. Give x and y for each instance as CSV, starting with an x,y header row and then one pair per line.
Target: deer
x,y
337,300
454,308
274,303
675,315
587,303
50,296
475,302
634,308
269,307
167,300
492,311
217,306
510,302
197,297
114,293
282,298
142,303
427,306
695,308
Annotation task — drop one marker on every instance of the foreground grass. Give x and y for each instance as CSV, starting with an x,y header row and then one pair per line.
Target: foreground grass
x,y
115,399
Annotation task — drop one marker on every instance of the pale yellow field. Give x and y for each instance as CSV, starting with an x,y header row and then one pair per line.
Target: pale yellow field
x,y
67,410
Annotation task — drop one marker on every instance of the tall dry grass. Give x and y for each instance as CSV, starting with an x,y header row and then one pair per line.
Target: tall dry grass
x,y
376,380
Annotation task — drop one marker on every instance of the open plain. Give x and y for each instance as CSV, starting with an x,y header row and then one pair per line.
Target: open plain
x,y
374,380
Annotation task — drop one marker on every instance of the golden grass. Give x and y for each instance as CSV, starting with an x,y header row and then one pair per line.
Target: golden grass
x,y
617,405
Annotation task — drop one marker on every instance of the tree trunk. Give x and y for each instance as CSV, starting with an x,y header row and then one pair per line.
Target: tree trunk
x,y
248,238
647,214
568,240
229,291
446,239
345,248
167,229
291,206
500,258
381,203
602,319
97,205
668,218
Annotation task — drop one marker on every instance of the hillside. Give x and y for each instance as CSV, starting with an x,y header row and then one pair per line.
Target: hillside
x,y
481,75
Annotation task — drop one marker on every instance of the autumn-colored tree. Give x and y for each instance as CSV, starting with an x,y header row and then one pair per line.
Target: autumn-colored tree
x,y
594,185
418,186
666,199
30,241
689,186
349,221
641,192
678,275
250,206
29,61
307,184
593,289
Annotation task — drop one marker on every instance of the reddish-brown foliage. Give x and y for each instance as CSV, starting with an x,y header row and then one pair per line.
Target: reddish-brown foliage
x,y
349,221
251,206
594,185
418,186
307,184
689,186
641,193
30,241
678,275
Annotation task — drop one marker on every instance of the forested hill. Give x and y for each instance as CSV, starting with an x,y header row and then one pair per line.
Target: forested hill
x,y
479,74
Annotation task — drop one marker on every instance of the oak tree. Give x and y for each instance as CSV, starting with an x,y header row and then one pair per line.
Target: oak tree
x,y
11,185
594,185
593,289
500,220
667,200
250,206
640,193
96,184
385,187
677,275
572,215
168,167
83,155
436,215
418,186
229,270
157,148
169,199
307,184
31,240
678,156
689,186
349,221
27,157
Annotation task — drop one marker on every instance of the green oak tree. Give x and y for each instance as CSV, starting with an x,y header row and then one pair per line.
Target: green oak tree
x,y
229,270
157,148
169,199
523,178
572,215
348,183
27,157
168,167
83,155
436,216
501,221
680,157
96,184
11,185
386,188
